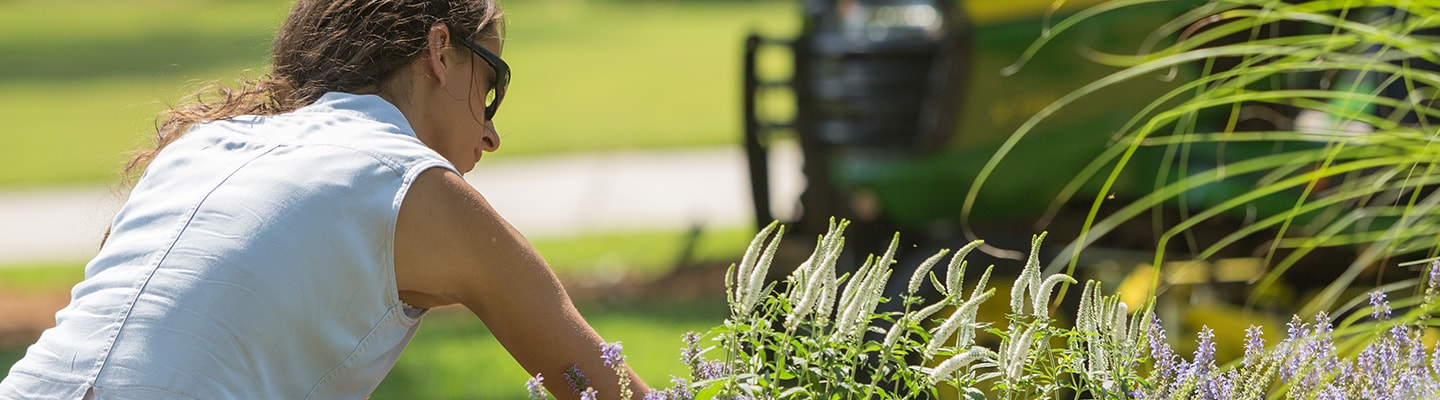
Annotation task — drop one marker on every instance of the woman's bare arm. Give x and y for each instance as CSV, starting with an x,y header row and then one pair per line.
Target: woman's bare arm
x,y
451,247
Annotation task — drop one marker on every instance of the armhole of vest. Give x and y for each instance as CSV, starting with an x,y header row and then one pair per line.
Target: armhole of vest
x,y
408,314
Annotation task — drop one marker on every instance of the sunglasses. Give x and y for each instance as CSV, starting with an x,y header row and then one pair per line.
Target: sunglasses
x,y
502,76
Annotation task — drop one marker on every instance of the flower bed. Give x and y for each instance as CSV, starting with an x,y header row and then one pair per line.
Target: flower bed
x,y
821,337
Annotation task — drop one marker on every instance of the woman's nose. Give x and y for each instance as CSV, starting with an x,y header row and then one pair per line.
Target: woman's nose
x,y
490,140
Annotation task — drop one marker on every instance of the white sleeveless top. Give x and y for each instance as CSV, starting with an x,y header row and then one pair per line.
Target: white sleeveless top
x,y
253,260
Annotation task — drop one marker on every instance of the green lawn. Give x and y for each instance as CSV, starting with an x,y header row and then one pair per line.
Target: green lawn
x,y
645,254
82,80
454,357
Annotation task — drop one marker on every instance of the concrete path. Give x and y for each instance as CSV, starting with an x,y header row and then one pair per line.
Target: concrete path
x,y
541,197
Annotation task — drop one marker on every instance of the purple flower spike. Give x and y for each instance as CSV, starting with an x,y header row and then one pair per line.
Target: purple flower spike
x,y
576,379
1202,367
1295,329
712,370
1254,345
1331,392
1382,307
1435,361
1205,349
1434,274
1159,349
588,394
690,354
536,386
610,353
680,389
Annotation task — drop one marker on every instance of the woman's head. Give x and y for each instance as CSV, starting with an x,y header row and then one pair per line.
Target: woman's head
x,y
359,45
355,46
428,57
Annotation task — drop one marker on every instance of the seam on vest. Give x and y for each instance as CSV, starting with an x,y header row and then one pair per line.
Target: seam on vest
x,y
124,318
369,335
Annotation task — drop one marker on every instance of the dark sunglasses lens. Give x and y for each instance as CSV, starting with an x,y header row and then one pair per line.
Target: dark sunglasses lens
x,y
495,96
491,104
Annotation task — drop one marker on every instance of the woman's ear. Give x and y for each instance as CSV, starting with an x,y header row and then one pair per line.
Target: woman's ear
x,y
435,59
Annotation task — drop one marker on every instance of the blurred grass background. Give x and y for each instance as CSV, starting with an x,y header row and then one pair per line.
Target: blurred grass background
x,y
82,80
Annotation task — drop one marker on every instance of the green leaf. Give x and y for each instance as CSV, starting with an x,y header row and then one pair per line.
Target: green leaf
x,y
796,391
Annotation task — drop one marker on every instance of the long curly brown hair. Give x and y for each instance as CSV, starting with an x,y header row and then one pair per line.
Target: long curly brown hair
x,y
327,46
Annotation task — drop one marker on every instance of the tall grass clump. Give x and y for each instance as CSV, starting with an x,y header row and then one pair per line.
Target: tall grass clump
x,y
1304,125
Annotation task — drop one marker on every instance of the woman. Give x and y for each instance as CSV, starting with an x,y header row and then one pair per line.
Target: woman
x,y
285,239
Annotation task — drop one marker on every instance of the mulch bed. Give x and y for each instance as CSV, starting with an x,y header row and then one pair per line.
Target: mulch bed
x,y
26,313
